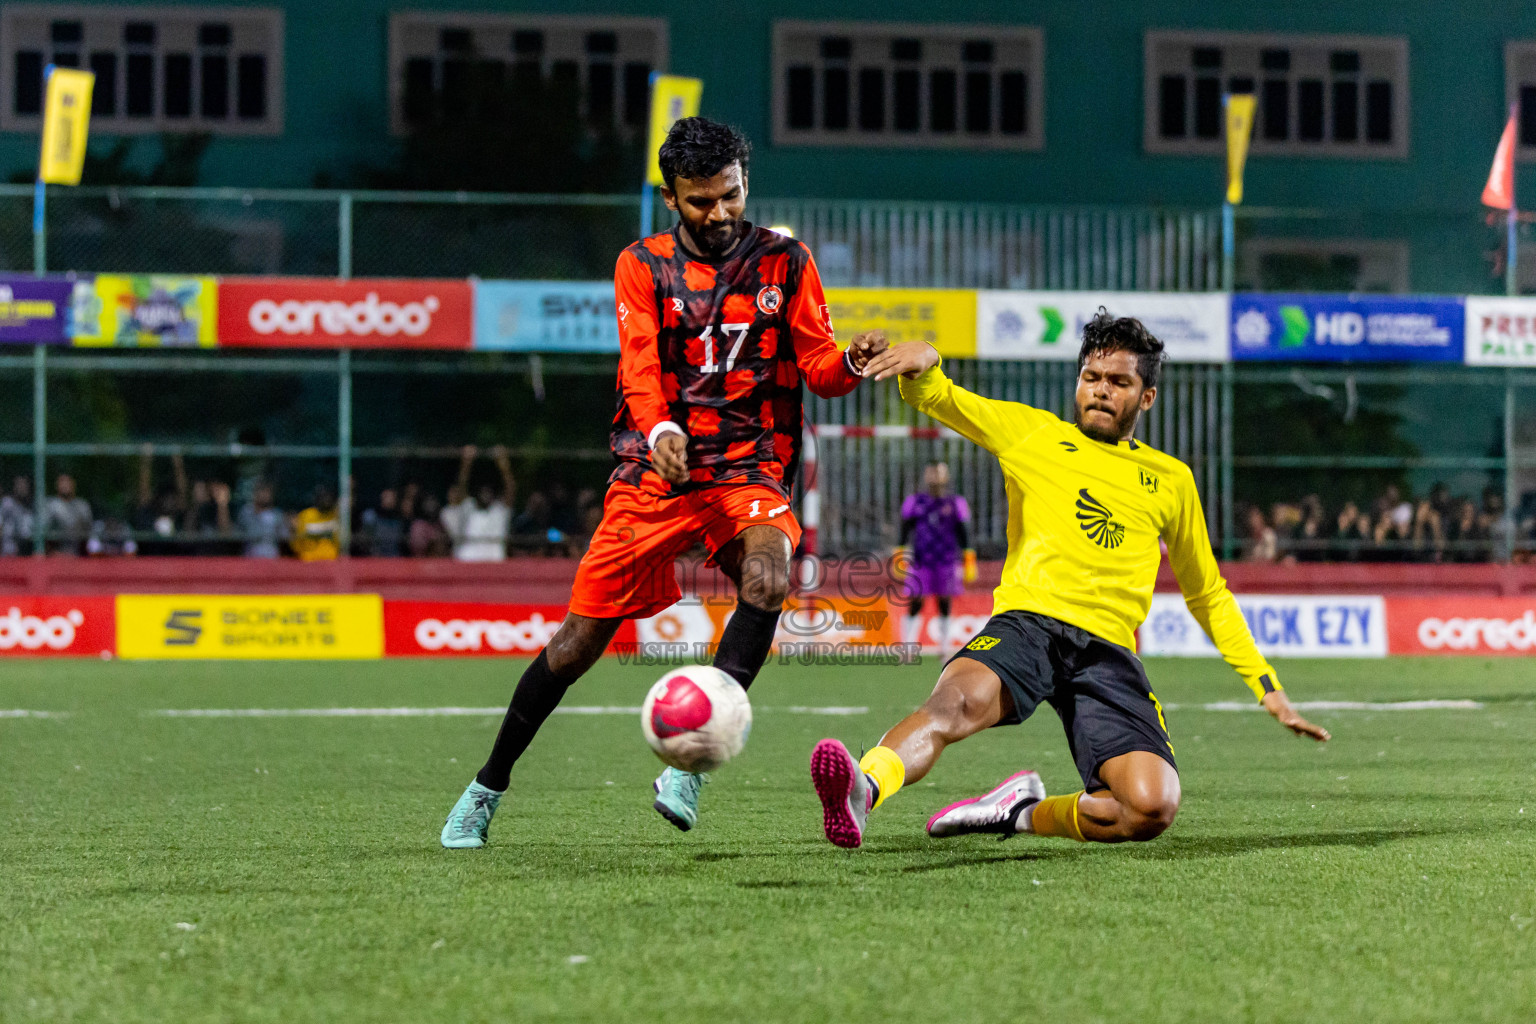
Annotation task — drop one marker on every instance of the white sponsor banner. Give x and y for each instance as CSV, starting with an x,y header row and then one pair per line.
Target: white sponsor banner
x,y
1289,625
1501,332
1193,326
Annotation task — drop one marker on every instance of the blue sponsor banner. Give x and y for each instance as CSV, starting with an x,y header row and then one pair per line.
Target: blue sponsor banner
x,y
545,316
1348,328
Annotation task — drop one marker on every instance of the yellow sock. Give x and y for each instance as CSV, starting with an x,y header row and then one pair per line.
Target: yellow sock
x,y
1057,816
884,766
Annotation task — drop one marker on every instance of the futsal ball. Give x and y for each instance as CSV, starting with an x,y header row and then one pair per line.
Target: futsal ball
x,y
696,718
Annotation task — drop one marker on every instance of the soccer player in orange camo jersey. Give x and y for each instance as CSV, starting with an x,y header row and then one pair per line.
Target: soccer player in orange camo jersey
x,y
720,323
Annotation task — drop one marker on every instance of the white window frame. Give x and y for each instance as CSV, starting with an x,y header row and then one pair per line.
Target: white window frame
x,y
502,22
121,123
1517,51
1153,141
1393,257
1032,140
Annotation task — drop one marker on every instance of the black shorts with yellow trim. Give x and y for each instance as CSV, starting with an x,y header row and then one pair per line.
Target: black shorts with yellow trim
x,y
1099,689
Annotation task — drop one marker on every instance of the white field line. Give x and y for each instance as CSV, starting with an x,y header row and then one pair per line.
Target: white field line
x,y
24,713
445,712
1346,705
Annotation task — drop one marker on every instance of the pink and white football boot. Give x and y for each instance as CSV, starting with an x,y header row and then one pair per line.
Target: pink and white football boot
x,y
845,793
996,811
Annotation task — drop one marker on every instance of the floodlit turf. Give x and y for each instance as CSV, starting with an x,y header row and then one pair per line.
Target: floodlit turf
x,y
287,869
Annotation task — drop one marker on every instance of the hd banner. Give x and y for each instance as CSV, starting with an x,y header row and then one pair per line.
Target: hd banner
x,y
545,316
314,312
1348,328
35,311
1283,625
250,627
146,310
1049,325
1501,332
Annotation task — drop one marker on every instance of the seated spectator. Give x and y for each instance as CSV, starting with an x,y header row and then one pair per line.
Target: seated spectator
x,y
68,517
161,514
1392,529
16,518
1462,537
111,538
383,527
426,537
1352,531
263,527
1261,543
316,529
478,525
1493,521
1429,524
1309,542
208,519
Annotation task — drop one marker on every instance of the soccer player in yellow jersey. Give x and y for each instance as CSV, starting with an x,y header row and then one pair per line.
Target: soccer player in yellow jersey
x,y
1087,507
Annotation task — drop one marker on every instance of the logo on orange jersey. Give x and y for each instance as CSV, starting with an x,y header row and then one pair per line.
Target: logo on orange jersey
x,y
770,299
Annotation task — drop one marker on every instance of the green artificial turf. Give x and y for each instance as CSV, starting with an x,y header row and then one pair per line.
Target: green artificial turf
x,y
287,869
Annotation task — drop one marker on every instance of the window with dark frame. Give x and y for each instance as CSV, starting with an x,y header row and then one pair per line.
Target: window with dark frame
x,y
870,83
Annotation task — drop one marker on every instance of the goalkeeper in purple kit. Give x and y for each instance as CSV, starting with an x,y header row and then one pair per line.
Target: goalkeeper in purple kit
x,y
935,552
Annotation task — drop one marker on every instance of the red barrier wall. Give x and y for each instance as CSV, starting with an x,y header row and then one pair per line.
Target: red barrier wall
x,y
548,580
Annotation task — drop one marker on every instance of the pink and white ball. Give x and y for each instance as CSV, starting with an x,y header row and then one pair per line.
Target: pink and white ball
x,y
696,718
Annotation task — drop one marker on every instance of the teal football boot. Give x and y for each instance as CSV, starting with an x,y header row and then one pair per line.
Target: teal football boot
x,y
470,820
677,797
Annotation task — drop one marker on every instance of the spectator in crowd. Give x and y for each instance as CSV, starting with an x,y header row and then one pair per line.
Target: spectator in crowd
x,y
68,517
1260,542
1493,522
1307,542
479,524
426,537
1392,530
1352,531
1429,517
316,529
1461,532
16,518
383,527
163,513
208,518
263,526
111,537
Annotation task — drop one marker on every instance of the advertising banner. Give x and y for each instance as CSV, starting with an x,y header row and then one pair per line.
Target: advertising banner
x,y
152,310
254,627
1501,332
54,626
1283,625
943,317
1462,625
1348,328
545,316
420,629
313,312
34,311
1049,325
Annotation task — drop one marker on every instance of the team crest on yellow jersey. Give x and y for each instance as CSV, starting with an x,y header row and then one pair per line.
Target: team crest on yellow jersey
x,y
1149,481
1098,522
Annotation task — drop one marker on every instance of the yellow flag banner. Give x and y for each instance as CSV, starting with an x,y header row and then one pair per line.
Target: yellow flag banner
x,y
66,118
1239,130
943,317
672,99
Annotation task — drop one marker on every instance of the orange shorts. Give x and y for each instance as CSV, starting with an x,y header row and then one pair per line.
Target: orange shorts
x,y
628,571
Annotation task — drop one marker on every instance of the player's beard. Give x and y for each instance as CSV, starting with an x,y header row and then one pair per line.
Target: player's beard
x,y
1124,424
714,239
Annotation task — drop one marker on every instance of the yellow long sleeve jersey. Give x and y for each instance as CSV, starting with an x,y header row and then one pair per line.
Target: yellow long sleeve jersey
x,y
1084,520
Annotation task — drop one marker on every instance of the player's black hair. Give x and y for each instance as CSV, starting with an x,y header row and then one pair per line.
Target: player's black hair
x,y
697,147
1105,333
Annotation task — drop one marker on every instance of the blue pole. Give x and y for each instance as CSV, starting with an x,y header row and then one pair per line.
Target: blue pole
x,y
1511,223
39,229
647,209
1228,247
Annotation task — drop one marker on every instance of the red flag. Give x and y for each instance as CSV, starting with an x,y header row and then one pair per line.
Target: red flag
x,y
1499,193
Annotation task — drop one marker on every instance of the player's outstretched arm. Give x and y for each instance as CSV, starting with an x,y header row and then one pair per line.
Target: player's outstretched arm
x,y
1279,705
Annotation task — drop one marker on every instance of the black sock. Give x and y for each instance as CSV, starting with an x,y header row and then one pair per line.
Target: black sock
x,y
537,695
745,643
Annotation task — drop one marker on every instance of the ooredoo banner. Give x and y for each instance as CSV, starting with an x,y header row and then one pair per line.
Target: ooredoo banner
x,y
1305,626
1462,625
54,626
1049,325
417,629
305,312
